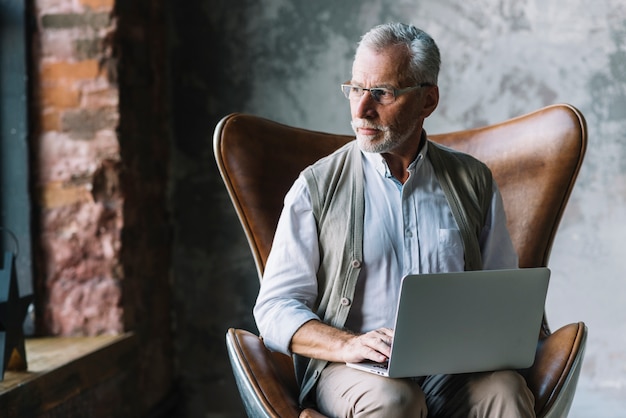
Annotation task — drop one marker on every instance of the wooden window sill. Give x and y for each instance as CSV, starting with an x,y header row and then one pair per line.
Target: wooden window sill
x,y
59,368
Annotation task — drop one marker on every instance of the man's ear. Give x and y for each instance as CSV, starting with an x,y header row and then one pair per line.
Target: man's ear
x,y
431,100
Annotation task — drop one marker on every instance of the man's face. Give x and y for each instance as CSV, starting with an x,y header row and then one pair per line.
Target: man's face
x,y
383,128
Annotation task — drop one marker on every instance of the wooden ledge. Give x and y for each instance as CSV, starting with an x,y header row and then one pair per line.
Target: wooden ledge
x,y
60,368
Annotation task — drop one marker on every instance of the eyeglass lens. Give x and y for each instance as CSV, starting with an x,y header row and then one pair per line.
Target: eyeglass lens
x,y
380,95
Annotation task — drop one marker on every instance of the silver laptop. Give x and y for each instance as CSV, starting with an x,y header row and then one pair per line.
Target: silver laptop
x,y
465,322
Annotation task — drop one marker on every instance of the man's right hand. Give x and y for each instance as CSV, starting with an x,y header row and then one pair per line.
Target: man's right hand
x,y
317,340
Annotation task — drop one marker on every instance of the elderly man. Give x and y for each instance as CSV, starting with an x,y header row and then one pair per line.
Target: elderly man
x,y
359,220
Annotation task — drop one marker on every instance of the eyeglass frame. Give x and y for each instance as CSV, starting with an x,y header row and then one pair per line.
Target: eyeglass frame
x,y
346,88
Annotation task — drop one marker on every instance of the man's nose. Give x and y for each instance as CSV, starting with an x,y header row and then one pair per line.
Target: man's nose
x,y
365,106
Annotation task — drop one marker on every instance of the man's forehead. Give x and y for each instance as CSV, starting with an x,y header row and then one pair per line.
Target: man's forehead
x,y
384,66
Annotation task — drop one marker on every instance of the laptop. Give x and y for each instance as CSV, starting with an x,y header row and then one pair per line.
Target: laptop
x,y
465,322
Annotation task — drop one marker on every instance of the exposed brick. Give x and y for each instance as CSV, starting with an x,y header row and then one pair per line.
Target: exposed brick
x,y
84,241
98,93
98,4
106,182
88,308
100,98
57,194
74,20
49,121
79,183
59,95
58,45
69,70
88,48
55,5
84,123
67,159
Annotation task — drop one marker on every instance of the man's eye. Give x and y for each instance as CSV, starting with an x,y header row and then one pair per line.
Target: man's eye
x,y
385,93
382,93
358,91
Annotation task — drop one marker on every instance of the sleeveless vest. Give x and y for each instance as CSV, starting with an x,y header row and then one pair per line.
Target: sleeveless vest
x,y
335,184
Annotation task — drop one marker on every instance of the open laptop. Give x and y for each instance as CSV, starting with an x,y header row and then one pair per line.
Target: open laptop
x,y
465,322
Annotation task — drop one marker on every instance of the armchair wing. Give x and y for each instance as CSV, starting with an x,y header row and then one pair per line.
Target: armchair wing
x,y
535,160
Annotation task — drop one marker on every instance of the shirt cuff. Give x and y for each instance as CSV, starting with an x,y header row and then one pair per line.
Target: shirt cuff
x,y
278,324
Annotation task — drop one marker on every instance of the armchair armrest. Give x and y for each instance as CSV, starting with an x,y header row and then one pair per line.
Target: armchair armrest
x,y
266,380
553,376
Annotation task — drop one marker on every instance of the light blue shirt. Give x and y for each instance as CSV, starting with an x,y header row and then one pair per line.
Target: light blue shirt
x,y
408,229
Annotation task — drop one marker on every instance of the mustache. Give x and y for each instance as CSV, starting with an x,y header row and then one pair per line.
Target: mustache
x,y
364,123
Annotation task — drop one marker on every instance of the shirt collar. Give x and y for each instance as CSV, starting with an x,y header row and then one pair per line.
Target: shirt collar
x,y
378,162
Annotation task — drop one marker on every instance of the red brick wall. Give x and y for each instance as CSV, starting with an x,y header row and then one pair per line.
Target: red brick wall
x,y
77,159
100,168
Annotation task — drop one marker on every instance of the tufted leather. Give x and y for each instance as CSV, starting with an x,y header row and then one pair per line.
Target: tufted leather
x,y
535,160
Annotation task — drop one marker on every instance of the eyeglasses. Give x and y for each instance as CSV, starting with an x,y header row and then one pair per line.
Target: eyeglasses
x,y
382,95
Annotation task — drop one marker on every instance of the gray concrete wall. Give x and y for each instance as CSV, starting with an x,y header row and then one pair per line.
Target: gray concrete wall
x,y
501,58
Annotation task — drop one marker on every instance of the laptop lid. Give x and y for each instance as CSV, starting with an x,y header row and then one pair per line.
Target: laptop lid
x,y
468,321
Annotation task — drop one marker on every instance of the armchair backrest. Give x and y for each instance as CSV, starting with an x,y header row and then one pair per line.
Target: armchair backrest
x,y
535,160
259,160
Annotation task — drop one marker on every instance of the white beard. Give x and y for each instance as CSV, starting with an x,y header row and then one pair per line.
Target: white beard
x,y
373,143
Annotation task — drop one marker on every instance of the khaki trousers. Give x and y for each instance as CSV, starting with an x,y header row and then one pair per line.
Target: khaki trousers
x,y
346,392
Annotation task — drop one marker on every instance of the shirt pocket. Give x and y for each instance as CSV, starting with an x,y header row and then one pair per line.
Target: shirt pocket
x,y
450,256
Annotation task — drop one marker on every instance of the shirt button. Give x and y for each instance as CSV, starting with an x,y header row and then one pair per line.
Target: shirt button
x,y
356,264
345,301
409,234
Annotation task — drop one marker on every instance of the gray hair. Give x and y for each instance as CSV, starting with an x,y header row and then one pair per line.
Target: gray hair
x,y
424,58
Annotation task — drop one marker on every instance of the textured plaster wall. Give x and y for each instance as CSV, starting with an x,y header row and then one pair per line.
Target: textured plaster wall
x,y
284,60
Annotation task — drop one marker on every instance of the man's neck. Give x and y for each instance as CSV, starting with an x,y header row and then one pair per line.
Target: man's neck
x,y
399,160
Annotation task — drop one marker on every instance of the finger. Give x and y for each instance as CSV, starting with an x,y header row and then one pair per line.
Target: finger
x,y
385,334
379,342
387,331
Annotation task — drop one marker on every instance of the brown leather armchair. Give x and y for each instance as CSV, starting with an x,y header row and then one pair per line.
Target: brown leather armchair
x,y
535,160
